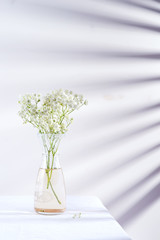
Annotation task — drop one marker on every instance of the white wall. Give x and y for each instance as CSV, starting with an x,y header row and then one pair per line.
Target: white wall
x,y
109,51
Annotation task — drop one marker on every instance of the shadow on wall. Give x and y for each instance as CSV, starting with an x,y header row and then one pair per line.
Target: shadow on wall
x,y
112,119
120,83
123,116
130,160
134,4
65,11
113,142
96,177
133,188
140,206
72,13
125,136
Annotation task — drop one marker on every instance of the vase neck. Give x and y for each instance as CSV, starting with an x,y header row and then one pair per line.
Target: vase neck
x,y
50,161
50,150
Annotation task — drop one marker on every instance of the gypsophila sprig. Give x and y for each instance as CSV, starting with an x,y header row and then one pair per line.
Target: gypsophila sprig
x,y
50,113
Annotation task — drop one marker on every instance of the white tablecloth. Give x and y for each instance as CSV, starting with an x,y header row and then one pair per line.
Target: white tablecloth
x,y
18,221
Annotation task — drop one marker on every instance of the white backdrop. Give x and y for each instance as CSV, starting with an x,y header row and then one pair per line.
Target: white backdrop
x,y
110,52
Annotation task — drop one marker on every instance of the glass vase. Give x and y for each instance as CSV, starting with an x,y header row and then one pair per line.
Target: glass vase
x,y
50,195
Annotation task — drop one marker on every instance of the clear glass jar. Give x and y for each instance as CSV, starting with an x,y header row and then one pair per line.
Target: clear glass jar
x,y
50,194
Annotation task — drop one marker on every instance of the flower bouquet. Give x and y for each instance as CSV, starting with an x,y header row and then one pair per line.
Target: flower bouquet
x,y
50,114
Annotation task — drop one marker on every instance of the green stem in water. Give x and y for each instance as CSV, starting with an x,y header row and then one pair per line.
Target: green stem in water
x,y
54,193
48,178
51,152
53,155
49,183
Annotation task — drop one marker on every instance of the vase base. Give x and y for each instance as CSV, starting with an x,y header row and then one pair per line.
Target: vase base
x,y
49,211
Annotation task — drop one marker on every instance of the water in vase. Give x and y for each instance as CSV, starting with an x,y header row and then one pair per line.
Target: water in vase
x,y
50,191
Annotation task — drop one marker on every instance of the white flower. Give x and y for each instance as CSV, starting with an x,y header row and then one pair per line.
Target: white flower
x,y
50,113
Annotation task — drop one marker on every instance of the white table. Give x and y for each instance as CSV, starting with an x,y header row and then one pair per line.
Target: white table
x,y
18,221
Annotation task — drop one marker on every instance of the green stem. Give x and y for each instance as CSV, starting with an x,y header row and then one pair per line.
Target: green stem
x,y
53,154
48,163
51,151
49,183
54,193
